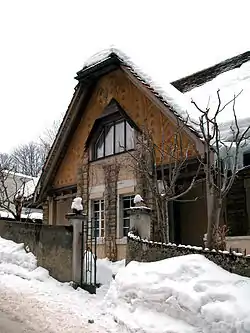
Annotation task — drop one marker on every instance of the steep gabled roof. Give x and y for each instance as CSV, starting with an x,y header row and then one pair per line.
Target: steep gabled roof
x,y
106,60
94,68
199,78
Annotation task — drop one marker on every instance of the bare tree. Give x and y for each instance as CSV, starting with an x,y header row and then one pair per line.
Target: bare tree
x,y
160,166
6,161
12,190
48,137
28,159
221,161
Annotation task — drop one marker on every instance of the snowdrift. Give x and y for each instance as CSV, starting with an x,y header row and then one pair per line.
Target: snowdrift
x,y
182,294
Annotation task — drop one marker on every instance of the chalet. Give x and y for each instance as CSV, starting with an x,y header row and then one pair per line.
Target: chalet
x,y
91,155
92,152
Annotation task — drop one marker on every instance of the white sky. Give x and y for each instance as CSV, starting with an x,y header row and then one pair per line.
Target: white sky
x,y
44,43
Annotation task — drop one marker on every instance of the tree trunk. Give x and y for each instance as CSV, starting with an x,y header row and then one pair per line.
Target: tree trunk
x,y
210,215
217,212
166,222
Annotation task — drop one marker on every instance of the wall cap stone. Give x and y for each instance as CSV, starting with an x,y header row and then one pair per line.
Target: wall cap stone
x,y
197,249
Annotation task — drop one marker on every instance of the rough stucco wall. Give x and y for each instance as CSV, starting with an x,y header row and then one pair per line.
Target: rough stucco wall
x,y
126,169
146,252
138,107
52,245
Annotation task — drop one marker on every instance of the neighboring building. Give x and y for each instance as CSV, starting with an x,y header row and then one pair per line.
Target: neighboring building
x,y
111,103
15,182
230,76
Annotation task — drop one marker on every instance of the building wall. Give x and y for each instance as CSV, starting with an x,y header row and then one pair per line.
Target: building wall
x,y
238,243
52,245
193,216
114,176
138,107
237,217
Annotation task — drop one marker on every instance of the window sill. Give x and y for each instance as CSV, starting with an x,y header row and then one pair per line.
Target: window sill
x,y
109,156
121,241
100,240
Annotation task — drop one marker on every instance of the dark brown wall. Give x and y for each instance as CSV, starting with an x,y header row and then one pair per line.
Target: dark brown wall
x,y
193,216
52,245
237,218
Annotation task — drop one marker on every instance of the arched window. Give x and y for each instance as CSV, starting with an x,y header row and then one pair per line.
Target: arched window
x,y
114,137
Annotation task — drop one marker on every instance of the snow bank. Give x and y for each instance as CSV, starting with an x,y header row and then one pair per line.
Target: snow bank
x,y
182,294
30,295
106,270
12,254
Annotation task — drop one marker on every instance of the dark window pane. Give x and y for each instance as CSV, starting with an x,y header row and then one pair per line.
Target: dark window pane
x,y
126,223
99,147
119,137
109,140
246,159
125,232
96,205
126,203
126,213
130,141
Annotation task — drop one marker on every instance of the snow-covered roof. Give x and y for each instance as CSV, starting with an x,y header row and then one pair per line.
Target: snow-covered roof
x,y
29,187
156,80
19,175
31,215
230,83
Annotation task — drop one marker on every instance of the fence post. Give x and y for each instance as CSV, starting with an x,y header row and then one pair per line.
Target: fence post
x,y
140,220
76,221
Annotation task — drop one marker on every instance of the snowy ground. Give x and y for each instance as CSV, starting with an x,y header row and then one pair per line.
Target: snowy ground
x,y
187,294
30,295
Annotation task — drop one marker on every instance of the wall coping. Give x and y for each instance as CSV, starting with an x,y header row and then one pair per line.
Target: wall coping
x,y
238,237
198,249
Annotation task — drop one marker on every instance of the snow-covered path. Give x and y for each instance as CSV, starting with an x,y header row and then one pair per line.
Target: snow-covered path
x,y
29,295
10,325
42,310
187,294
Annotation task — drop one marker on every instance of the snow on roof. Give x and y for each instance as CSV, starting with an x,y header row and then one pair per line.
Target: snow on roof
x,y
156,80
27,215
230,83
18,174
29,187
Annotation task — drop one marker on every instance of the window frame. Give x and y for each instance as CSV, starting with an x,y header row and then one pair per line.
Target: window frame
x,y
122,217
103,132
101,221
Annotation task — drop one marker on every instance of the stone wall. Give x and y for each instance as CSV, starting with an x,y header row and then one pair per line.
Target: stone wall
x,y
145,251
52,245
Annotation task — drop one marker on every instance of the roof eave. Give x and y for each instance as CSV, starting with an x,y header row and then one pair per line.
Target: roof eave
x,y
99,69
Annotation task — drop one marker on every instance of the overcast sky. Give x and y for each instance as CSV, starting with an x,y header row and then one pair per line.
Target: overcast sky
x,y
44,43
